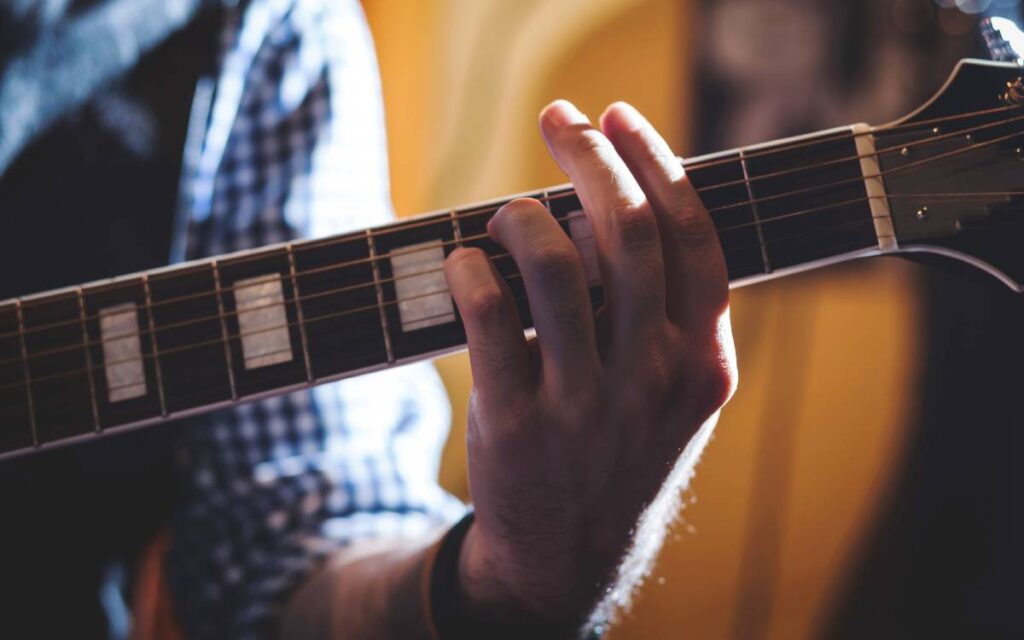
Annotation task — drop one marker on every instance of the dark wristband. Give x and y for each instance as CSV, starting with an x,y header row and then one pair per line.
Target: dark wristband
x,y
450,618
446,609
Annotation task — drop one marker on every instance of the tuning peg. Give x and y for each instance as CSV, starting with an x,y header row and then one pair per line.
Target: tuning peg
x,y
1004,39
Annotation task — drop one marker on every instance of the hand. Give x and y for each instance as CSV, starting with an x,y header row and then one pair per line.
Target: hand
x,y
571,437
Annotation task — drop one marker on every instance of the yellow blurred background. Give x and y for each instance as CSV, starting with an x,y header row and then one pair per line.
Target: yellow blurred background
x,y
787,490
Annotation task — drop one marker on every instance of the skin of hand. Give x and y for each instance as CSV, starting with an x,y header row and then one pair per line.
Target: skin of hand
x,y
581,439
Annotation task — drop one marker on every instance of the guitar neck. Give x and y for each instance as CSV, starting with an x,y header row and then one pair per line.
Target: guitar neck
x,y
149,347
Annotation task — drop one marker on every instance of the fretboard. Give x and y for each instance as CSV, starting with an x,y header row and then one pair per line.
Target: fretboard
x,y
148,347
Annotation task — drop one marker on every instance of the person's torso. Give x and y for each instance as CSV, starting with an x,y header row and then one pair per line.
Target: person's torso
x,y
93,197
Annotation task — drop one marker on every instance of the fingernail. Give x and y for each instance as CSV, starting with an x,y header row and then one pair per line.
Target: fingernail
x,y
562,113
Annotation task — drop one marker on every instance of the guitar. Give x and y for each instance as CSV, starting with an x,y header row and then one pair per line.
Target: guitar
x,y
144,348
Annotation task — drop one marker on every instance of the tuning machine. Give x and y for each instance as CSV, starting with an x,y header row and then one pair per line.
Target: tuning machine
x,y
1005,42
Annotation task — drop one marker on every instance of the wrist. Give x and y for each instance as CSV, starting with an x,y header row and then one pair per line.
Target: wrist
x,y
502,597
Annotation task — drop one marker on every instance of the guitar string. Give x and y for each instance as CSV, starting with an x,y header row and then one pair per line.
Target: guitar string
x,y
757,223
844,135
374,331
490,207
570,192
363,237
898,147
880,174
932,197
378,306
320,294
374,308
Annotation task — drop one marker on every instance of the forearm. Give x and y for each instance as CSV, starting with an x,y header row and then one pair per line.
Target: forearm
x,y
371,589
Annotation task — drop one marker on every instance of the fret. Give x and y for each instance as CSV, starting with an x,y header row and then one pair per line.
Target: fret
x,y
118,331
420,313
189,337
339,305
152,343
261,318
88,363
224,330
753,211
454,215
380,296
838,218
57,367
733,216
298,313
16,422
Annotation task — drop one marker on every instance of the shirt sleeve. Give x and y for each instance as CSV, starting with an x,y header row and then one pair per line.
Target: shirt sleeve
x,y
269,488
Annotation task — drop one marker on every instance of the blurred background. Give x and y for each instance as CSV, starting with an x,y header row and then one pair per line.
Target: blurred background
x,y
863,481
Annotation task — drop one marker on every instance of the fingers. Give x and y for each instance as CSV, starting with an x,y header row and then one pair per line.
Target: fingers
x,y
697,288
555,285
497,348
625,229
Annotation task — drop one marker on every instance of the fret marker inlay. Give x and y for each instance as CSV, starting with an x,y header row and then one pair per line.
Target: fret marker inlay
x,y
262,321
423,298
122,352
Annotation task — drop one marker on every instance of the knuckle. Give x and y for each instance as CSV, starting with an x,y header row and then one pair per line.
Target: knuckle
x,y
716,383
635,226
693,225
485,304
586,142
556,262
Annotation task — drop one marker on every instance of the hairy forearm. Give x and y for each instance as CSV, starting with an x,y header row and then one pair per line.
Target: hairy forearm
x,y
368,590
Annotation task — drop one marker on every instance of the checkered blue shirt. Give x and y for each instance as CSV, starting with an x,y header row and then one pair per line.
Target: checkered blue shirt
x,y
291,143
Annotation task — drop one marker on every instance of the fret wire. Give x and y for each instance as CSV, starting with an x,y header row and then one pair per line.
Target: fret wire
x,y
298,313
152,340
365,308
456,229
571,192
389,349
25,368
224,330
754,212
88,362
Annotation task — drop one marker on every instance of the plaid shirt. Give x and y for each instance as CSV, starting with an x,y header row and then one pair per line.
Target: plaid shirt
x,y
292,144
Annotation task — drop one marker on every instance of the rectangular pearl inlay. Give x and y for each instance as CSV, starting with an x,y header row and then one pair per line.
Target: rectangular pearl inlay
x,y
423,298
262,321
583,237
122,352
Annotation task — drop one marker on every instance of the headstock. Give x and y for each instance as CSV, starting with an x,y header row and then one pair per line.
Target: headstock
x,y
954,171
